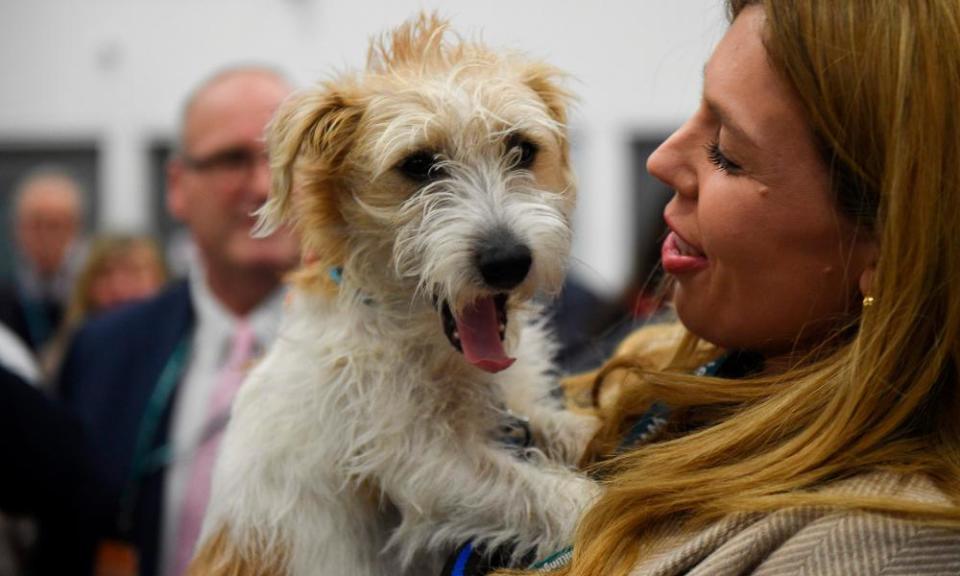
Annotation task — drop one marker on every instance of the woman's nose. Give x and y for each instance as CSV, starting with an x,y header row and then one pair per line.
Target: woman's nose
x,y
674,161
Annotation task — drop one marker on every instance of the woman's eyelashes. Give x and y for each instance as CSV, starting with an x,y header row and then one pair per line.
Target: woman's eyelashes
x,y
721,161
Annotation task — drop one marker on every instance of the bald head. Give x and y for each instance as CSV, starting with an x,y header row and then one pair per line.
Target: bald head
x,y
48,209
222,88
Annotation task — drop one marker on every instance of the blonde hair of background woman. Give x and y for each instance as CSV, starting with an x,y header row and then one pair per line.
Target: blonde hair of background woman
x,y
880,81
105,251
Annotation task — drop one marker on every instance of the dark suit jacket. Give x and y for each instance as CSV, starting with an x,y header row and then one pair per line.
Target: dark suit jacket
x,y
34,326
108,377
48,474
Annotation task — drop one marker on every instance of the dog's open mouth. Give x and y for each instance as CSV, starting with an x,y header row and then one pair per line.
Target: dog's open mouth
x,y
479,331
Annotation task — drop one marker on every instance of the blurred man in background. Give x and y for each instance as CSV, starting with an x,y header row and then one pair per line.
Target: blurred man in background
x,y
47,219
153,382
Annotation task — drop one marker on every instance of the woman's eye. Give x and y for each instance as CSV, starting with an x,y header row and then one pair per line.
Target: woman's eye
x,y
523,151
421,166
718,159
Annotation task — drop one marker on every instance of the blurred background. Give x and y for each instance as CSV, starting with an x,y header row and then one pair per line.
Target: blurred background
x,y
95,86
91,90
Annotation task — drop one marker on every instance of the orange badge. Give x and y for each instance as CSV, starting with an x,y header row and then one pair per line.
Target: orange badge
x,y
116,558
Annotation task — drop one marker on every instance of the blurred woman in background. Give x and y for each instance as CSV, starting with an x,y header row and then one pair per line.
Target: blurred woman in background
x,y
118,269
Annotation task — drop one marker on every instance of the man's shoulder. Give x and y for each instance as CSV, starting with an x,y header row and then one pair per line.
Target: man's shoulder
x,y
9,299
12,313
146,318
128,345
8,288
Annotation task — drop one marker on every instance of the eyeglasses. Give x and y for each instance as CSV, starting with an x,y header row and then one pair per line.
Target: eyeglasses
x,y
232,163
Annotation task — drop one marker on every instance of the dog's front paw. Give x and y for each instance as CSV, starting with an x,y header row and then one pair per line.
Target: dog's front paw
x,y
583,427
563,435
572,499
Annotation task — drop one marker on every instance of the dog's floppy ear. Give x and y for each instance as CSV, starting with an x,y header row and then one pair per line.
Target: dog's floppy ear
x,y
545,81
308,140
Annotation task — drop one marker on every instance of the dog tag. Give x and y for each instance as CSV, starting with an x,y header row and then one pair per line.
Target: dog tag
x,y
117,558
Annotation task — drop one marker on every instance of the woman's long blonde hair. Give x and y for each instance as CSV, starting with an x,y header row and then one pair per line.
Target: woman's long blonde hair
x,y
880,81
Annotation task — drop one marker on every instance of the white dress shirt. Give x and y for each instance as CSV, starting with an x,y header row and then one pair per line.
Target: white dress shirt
x,y
212,335
16,357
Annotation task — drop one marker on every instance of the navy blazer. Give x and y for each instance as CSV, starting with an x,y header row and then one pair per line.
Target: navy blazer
x,y
108,376
48,475
33,321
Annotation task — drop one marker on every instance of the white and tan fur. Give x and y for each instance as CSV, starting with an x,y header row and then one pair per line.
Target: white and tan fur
x,y
364,443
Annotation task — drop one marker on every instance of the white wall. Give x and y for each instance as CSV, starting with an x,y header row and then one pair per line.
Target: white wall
x,y
116,70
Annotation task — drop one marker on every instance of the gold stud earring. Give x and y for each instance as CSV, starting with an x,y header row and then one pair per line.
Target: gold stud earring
x,y
869,301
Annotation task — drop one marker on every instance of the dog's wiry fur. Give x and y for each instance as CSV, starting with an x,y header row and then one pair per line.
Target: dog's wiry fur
x,y
364,443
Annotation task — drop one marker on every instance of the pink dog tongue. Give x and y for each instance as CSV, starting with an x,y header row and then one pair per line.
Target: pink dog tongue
x,y
480,336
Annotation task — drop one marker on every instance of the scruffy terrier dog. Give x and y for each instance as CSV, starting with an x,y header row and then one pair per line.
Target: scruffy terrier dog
x,y
435,195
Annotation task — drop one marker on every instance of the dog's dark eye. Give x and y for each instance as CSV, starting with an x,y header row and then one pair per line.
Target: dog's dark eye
x,y
525,150
421,166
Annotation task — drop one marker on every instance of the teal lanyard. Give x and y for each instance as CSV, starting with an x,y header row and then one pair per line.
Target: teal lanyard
x,y
145,459
556,560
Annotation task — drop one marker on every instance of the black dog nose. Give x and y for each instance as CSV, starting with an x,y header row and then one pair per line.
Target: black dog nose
x,y
504,262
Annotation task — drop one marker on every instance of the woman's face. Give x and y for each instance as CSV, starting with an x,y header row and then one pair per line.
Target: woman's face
x,y
762,258
131,275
